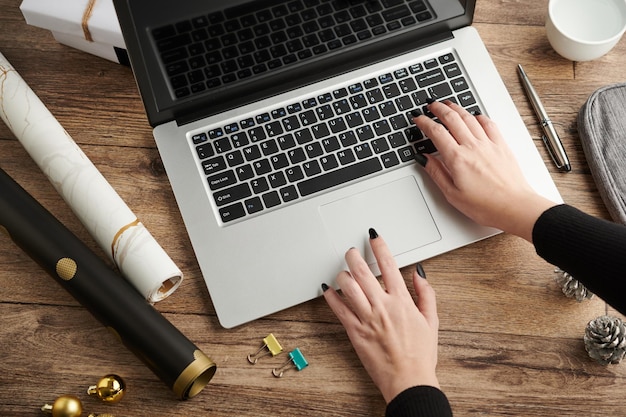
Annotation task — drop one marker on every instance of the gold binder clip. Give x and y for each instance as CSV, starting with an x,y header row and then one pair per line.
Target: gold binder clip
x,y
296,360
273,348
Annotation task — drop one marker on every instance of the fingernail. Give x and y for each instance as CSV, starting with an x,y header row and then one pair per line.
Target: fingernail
x,y
416,113
477,113
421,159
324,287
430,100
420,270
373,234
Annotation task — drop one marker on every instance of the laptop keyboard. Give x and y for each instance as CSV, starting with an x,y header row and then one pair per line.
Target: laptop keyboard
x,y
213,50
266,160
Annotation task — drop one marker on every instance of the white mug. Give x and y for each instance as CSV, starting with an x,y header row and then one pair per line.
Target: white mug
x,y
583,30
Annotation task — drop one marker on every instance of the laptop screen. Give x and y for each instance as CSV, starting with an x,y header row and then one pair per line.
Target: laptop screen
x,y
194,58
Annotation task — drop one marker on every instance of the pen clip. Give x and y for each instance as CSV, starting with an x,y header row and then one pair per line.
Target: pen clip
x,y
552,152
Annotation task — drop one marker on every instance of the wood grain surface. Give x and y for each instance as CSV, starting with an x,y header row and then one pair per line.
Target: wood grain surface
x,y
510,341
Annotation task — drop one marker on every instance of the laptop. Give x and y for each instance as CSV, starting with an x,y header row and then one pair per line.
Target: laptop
x,y
285,131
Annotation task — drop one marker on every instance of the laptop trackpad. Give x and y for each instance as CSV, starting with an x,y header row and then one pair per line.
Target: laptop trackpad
x,y
396,210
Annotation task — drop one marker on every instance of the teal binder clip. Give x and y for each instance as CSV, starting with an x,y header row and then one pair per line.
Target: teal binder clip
x,y
296,360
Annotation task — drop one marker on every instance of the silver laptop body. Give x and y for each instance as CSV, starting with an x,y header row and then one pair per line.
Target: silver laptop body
x,y
262,249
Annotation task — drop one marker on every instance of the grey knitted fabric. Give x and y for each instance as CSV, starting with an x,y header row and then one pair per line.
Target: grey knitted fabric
x,y
602,130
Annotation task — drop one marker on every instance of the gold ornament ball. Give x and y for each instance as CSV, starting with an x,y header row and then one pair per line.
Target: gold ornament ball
x,y
64,406
110,388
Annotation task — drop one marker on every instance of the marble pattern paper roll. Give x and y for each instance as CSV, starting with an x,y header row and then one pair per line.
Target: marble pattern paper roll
x,y
104,214
109,297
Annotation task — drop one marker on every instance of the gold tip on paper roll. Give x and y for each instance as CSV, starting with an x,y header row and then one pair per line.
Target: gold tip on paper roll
x,y
195,377
66,269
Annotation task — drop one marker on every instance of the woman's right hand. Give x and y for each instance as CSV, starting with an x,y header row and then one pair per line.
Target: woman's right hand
x,y
477,172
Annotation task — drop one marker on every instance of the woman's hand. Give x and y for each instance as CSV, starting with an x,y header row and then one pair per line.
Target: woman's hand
x,y
395,337
477,172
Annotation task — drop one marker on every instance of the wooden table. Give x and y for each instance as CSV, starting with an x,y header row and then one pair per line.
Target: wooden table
x,y
510,341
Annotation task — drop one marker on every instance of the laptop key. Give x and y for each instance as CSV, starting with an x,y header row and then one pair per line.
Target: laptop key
x,y
340,176
232,194
232,212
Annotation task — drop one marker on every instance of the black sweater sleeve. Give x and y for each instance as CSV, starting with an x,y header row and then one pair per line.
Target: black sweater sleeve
x,y
420,401
592,250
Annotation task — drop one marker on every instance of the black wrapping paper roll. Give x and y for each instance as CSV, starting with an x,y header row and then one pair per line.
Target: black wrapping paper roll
x,y
107,295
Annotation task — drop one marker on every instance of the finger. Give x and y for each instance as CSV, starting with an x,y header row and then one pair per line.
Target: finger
x,y
445,143
345,315
394,282
456,120
362,274
426,300
469,120
354,295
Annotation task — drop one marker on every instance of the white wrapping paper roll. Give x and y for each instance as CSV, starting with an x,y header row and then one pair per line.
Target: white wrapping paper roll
x,y
104,214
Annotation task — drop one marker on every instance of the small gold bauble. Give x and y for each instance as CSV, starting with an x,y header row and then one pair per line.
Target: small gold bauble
x,y
110,388
64,406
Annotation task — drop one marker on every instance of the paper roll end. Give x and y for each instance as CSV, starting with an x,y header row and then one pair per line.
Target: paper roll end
x,y
166,289
195,376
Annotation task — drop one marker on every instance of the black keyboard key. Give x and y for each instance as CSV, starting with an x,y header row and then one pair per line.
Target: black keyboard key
x,y
337,125
233,212
213,165
294,174
271,199
259,185
389,159
205,151
253,205
329,162
363,151
346,157
277,179
262,166
320,130
311,168
452,70
466,99
221,180
340,176
174,42
429,78
425,146
439,91
288,193
232,194
396,13
406,154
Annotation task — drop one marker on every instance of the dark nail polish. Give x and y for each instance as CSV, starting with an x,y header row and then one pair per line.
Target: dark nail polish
x,y
416,113
420,270
373,234
477,113
324,287
421,159
430,100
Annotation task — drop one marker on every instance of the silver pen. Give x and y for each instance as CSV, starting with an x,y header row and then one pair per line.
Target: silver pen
x,y
550,137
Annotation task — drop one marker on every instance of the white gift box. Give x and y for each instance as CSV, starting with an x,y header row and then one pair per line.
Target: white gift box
x,y
88,25
112,53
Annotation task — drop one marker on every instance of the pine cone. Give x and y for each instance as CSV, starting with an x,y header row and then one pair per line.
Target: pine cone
x,y
605,339
571,287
